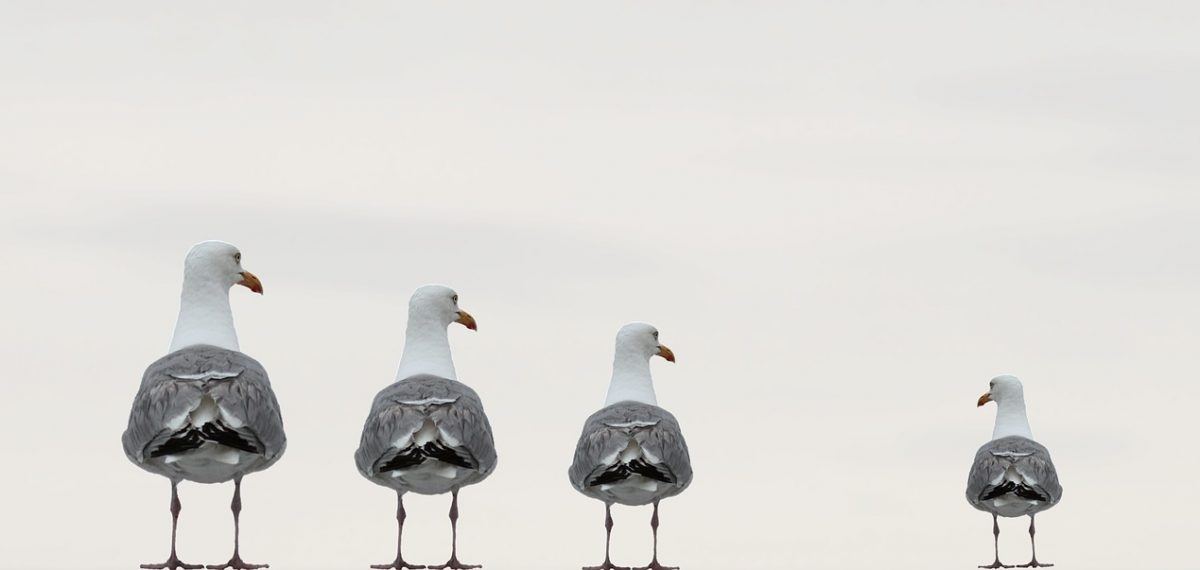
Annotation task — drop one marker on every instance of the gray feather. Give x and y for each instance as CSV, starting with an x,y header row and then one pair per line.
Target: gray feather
x,y
1028,457
607,432
170,389
396,413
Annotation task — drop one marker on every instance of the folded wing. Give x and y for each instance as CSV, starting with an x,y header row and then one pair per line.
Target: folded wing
x,y
630,439
1013,465
200,398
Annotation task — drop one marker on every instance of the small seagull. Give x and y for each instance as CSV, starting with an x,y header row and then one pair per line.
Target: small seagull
x,y
632,451
427,433
1012,475
205,412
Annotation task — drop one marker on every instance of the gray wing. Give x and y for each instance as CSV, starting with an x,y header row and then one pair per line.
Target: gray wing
x,y
1031,460
607,432
160,401
174,386
400,410
249,399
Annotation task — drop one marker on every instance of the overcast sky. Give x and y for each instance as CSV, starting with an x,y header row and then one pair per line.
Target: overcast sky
x,y
844,217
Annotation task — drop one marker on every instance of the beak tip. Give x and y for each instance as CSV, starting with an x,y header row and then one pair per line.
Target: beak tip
x,y
465,319
666,353
251,282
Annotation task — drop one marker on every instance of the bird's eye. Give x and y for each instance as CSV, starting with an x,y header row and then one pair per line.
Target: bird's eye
x,y
454,298
655,333
237,257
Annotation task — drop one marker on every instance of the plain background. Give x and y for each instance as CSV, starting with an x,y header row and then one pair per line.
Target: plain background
x,y
845,218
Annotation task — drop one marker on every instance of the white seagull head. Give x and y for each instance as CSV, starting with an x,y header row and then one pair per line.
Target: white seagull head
x,y
438,304
220,263
1002,389
641,341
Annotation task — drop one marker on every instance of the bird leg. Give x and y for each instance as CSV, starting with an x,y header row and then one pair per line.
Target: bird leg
x,y
1033,546
173,563
608,524
453,563
654,565
399,563
996,540
236,506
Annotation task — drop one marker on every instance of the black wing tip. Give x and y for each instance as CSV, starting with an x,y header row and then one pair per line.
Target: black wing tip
x,y
191,438
447,455
622,471
1032,494
410,457
1023,491
183,440
650,471
219,433
415,455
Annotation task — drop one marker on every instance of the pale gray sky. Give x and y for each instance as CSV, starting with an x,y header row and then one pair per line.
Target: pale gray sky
x,y
844,218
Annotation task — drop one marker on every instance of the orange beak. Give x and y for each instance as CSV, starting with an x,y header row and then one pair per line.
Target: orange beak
x,y
666,353
985,399
251,282
465,319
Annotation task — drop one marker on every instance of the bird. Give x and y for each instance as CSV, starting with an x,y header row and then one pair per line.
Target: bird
x,y
206,412
1012,475
427,432
632,451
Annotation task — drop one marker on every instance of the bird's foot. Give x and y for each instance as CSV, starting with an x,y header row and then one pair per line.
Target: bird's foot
x,y
453,564
398,564
237,564
1034,564
997,564
608,565
172,563
654,565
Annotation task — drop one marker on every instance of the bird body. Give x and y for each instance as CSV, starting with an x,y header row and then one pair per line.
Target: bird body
x,y
427,435
204,414
631,453
1013,477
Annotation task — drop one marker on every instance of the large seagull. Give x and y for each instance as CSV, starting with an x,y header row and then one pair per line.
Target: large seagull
x,y
205,412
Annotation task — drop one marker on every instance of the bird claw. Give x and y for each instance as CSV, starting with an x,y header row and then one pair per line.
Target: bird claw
x,y
398,564
237,564
997,564
654,565
453,564
607,566
1034,564
172,563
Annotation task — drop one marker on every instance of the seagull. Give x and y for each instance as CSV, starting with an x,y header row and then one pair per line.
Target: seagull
x,y
1012,475
205,412
427,432
632,451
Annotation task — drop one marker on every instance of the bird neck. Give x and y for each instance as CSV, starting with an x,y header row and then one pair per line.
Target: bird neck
x,y
1011,419
426,350
631,379
204,316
